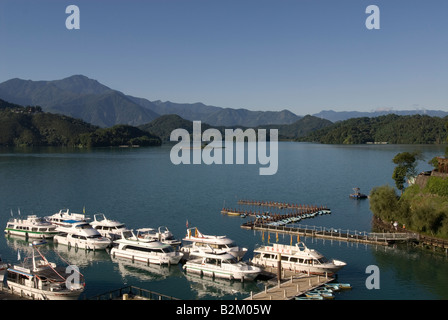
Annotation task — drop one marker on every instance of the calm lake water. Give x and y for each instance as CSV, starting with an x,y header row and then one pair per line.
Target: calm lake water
x,y
142,188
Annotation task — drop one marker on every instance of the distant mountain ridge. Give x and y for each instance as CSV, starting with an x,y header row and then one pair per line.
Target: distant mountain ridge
x,y
335,116
81,97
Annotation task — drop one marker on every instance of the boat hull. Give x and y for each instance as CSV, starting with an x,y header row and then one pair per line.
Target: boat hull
x,y
82,244
31,234
319,270
148,258
39,294
213,271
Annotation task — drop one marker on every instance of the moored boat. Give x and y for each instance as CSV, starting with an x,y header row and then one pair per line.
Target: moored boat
x,y
162,234
31,227
81,235
221,265
197,242
108,228
145,250
66,218
39,279
298,258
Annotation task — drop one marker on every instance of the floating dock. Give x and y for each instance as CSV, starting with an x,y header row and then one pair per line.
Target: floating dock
x,y
290,286
384,238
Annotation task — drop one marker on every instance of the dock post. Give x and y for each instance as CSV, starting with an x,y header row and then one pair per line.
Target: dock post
x,y
279,268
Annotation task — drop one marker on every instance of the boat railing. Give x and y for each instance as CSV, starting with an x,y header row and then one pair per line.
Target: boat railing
x,y
131,292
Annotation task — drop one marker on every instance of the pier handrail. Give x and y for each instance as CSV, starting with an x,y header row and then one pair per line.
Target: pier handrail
x,y
117,293
343,234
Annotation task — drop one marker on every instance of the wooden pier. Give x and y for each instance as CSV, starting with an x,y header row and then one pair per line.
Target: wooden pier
x,y
290,286
330,233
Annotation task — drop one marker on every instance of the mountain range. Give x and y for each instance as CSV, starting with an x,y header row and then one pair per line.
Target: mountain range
x,y
81,97
87,99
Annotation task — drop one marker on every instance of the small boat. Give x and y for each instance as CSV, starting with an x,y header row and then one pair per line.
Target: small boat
x,y
357,194
221,265
66,218
162,234
37,278
298,258
81,235
198,242
338,286
31,227
144,250
107,228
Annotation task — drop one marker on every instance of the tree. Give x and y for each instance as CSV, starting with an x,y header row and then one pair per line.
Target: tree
x,y
406,167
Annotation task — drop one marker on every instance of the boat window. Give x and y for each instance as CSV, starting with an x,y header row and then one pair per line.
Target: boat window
x,y
293,259
284,258
230,261
127,234
323,260
95,236
168,249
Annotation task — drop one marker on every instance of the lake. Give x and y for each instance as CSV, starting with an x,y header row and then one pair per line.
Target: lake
x,y
142,188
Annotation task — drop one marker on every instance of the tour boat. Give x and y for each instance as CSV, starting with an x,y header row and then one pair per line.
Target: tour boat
x,y
81,235
298,258
162,234
31,227
221,265
107,228
39,279
66,218
199,242
145,250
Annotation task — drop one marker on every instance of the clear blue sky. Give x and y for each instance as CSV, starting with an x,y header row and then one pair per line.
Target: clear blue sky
x,y
301,55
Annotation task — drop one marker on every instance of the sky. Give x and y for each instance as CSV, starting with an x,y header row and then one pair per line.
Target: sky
x,y
302,55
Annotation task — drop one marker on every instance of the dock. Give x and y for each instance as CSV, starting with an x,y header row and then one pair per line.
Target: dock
x,y
384,238
290,286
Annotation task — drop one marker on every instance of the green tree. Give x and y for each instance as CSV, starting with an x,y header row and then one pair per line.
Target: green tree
x,y
406,167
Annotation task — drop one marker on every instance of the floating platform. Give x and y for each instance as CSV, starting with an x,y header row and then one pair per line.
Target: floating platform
x,y
290,286
384,238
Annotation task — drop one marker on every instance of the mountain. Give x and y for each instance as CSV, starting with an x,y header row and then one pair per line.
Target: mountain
x,y
391,128
217,116
164,125
335,116
30,126
79,97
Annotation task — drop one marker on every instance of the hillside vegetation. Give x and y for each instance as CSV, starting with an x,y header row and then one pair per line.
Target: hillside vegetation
x,y
394,129
29,126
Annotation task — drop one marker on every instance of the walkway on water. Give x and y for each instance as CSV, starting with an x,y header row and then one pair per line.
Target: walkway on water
x,y
290,286
384,238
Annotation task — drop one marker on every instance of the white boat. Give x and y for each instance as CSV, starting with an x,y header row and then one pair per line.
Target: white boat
x,y
298,258
145,250
199,242
81,235
111,229
31,227
221,265
162,234
66,218
39,279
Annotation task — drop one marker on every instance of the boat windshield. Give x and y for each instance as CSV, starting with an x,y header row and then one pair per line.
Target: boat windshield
x,y
323,260
95,236
168,249
230,261
84,226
